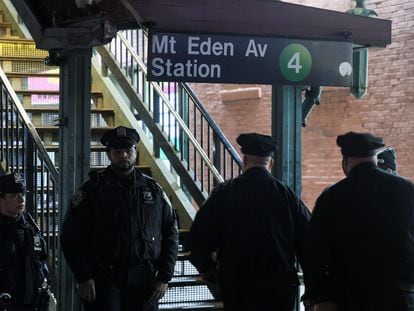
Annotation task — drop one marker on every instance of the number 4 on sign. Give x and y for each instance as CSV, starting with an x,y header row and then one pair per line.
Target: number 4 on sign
x,y
294,62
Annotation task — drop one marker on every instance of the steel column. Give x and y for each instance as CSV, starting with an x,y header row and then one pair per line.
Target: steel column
x,y
74,147
287,129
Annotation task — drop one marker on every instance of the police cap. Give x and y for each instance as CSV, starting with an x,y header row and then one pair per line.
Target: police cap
x,y
359,144
257,144
12,183
387,158
120,137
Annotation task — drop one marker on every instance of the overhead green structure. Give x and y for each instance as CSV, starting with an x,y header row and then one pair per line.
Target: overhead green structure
x,y
360,56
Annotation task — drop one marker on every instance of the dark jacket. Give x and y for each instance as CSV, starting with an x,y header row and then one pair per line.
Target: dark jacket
x,y
361,237
258,225
112,226
23,258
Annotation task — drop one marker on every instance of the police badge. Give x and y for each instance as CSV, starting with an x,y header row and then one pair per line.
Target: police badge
x,y
147,196
121,131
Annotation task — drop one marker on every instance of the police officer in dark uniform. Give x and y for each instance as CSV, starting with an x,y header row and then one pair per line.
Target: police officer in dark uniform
x,y
387,160
120,236
256,225
360,255
23,254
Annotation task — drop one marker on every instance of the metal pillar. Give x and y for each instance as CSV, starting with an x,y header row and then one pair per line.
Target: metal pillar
x,y
287,130
74,147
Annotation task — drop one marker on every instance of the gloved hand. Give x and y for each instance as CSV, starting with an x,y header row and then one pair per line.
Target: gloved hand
x,y
87,290
158,291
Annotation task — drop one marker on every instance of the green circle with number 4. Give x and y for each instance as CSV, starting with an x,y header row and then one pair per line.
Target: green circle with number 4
x,y
295,62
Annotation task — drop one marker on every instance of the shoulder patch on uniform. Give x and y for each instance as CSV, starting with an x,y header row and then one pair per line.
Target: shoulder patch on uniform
x,y
37,244
77,198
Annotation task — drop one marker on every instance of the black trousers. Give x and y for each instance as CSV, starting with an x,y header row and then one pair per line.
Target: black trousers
x,y
260,298
116,298
382,300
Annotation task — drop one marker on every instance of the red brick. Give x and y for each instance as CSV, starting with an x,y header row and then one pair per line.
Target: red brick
x,y
387,109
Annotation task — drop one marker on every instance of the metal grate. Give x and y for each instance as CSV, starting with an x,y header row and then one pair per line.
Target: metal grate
x,y
97,120
44,99
186,286
49,119
21,49
30,67
186,294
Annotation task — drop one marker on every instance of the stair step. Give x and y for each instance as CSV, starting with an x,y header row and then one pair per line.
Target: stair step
x,y
187,292
49,115
2,18
49,92
186,281
49,109
94,148
26,66
51,128
193,306
50,98
16,48
52,73
182,256
5,29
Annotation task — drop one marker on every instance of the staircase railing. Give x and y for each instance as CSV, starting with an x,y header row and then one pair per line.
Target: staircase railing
x,y
175,117
22,151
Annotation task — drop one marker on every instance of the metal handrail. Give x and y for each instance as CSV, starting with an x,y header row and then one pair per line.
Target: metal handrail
x,y
200,139
22,151
166,101
28,123
213,124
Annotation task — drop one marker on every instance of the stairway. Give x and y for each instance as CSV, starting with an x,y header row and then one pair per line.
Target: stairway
x,y
37,88
187,291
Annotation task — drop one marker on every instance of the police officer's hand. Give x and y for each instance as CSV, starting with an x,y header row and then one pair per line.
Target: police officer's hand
x,y
158,291
87,290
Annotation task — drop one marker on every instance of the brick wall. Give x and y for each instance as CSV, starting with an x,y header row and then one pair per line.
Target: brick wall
x,y
386,110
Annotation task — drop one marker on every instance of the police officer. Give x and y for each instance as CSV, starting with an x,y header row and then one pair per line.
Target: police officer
x,y
120,234
23,255
360,253
387,160
256,225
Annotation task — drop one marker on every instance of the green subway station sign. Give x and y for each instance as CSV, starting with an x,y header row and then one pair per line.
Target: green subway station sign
x,y
241,59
